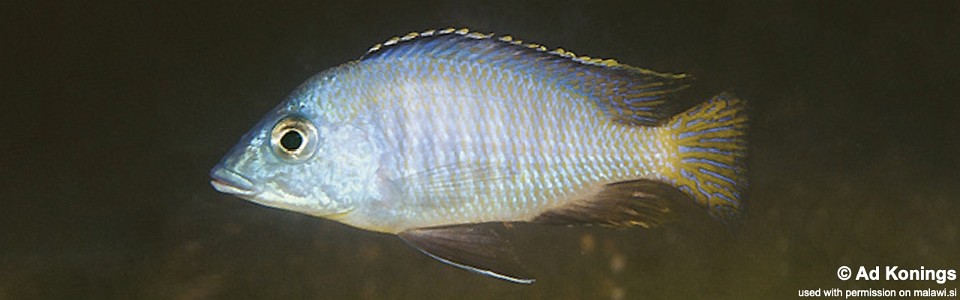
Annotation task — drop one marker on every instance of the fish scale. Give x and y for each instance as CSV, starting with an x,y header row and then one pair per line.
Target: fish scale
x,y
460,114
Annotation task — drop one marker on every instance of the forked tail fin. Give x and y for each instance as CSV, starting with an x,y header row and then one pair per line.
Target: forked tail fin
x,y
711,153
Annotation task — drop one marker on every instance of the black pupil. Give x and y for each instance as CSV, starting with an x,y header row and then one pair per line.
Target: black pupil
x,y
291,140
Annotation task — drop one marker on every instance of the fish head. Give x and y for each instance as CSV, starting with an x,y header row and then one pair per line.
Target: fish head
x,y
303,156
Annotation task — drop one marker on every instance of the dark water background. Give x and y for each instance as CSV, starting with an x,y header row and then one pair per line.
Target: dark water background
x,y
115,112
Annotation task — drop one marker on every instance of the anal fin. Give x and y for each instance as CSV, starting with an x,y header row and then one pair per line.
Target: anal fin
x,y
474,247
644,203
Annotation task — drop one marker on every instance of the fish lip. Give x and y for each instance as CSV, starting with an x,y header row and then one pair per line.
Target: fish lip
x,y
228,181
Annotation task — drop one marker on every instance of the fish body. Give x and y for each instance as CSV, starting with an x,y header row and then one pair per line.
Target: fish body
x,y
433,132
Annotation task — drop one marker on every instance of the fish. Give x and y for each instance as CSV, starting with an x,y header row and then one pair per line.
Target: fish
x,y
435,135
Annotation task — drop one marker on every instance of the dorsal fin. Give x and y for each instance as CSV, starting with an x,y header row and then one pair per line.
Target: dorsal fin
x,y
628,94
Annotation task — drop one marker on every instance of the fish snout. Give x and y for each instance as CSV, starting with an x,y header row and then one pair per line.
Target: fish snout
x,y
228,181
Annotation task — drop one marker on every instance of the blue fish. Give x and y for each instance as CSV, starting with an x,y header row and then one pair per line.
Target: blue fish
x,y
433,134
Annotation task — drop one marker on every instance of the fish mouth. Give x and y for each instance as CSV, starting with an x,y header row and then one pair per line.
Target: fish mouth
x,y
227,181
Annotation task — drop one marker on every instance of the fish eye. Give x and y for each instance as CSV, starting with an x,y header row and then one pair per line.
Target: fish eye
x,y
291,141
294,138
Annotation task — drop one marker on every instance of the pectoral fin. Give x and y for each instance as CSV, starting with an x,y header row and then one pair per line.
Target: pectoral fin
x,y
473,247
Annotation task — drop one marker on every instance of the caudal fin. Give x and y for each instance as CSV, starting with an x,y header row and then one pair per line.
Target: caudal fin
x,y
711,154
